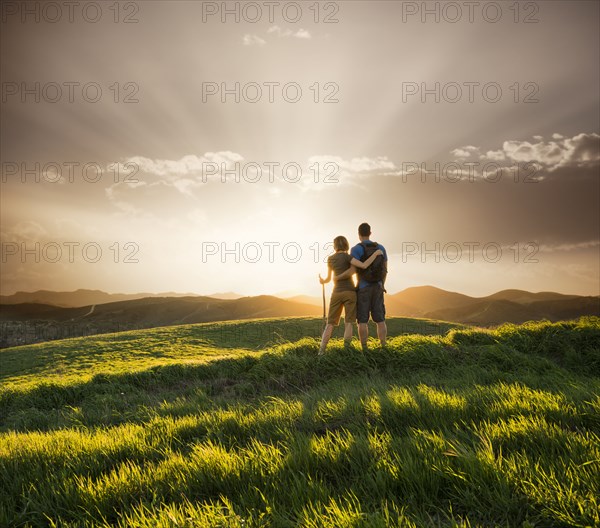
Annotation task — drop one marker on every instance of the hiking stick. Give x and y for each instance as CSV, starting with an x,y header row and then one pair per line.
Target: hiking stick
x,y
324,313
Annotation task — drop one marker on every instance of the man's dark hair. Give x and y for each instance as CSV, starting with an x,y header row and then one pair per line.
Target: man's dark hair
x,y
364,230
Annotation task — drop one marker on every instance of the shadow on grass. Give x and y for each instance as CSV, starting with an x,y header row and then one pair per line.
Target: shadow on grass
x,y
470,425
364,439
552,351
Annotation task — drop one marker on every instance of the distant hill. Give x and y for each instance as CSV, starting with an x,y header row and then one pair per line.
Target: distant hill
x,y
47,312
419,300
79,297
162,311
507,306
489,312
34,322
306,299
525,297
222,295
46,315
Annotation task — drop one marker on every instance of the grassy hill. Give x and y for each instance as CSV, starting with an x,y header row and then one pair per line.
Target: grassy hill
x,y
241,424
30,323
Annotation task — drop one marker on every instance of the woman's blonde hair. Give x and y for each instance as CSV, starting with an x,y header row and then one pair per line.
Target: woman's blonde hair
x,y
340,243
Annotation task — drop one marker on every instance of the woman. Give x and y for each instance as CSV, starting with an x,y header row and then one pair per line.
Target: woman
x,y
344,291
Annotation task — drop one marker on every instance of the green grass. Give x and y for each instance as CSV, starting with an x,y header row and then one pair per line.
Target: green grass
x,y
81,358
241,425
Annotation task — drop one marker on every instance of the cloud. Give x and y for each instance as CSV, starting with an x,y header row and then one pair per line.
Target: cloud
x,y
119,202
301,33
24,231
253,40
579,246
356,165
280,32
187,165
582,150
184,176
561,155
547,153
336,170
465,152
519,161
494,155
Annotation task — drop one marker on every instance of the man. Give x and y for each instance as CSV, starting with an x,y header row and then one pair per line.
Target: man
x,y
371,286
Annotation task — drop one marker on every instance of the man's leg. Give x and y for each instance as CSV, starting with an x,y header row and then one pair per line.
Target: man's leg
x,y
363,334
379,313
325,338
363,305
382,332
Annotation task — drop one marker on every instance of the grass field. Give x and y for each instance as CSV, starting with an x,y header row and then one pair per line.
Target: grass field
x,y
241,425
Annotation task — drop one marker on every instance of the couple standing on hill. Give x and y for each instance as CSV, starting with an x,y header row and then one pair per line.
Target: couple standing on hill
x,y
369,260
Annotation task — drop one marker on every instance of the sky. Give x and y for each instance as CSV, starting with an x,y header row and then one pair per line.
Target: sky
x,y
220,146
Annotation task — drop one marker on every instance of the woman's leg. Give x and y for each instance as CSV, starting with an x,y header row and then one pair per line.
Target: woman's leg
x,y
325,338
335,311
349,316
347,333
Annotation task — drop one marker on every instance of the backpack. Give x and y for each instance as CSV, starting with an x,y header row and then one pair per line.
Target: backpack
x,y
374,273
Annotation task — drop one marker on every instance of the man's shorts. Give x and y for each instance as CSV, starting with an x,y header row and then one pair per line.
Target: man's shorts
x,y
369,300
339,300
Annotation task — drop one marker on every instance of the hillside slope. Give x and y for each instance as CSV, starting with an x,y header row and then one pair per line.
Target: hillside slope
x,y
218,425
31,323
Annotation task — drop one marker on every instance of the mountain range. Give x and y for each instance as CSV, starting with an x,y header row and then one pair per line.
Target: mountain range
x,y
419,301
161,311
64,314
25,323
89,297
506,306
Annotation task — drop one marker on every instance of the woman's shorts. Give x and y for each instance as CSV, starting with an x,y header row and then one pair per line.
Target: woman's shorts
x,y
339,300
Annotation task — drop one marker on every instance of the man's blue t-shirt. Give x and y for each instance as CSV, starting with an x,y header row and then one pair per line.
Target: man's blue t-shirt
x,y
358,252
